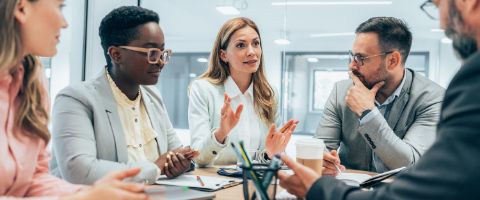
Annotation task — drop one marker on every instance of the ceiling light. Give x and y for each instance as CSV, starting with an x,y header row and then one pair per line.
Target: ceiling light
x,y
282,41
332,34
437,30
339,57
202,60
312,59
332,3
228,10
446,40
192,75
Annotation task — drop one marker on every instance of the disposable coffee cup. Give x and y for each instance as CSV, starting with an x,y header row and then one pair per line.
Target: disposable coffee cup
x,y
310,153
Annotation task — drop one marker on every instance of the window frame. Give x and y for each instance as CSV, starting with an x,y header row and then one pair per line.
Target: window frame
x,y
286,76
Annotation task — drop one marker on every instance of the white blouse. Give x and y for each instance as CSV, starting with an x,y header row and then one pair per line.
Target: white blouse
x,y
139,133
248,127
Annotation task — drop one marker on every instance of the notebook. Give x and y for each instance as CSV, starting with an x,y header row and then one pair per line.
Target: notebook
x,y
364,180
210,183
353,179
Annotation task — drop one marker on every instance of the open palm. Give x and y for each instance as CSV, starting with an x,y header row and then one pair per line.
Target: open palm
x,y
229,118
277,140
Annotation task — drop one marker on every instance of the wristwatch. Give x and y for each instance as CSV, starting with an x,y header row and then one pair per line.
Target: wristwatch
x,y
364,113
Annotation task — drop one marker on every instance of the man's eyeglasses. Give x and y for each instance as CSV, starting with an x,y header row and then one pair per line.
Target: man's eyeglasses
x,y
359,59
430,8
154,55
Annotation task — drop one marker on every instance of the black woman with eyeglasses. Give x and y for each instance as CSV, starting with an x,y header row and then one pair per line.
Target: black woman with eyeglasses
x,y
118,120
385,116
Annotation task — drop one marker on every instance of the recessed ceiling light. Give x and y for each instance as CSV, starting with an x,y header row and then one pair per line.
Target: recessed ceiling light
x,y
446,40
437,30
312,59
228,10
202,60
332,3
282,41
339,57
332,34
192,75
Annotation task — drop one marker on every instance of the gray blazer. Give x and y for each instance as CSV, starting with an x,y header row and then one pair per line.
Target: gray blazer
x,y
398,141
88,138
449,169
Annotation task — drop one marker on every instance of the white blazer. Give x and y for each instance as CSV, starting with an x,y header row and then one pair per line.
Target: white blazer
x,y
205,104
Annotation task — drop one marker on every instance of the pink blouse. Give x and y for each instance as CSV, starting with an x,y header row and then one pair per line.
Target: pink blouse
x,y
23,159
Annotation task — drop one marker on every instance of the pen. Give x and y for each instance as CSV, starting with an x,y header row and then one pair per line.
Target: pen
x,y
256,182
336,167
200,181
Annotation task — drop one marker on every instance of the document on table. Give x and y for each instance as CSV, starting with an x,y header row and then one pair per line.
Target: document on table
x,y
207,183
285,195
353,179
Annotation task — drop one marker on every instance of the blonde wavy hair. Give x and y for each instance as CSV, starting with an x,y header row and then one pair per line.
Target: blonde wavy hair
x,y
218,71
32,115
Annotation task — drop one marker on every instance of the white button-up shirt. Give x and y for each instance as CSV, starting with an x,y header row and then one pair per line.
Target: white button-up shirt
x,y
248,127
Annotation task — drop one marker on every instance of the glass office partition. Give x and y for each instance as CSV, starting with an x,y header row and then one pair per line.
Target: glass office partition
x,y
174,81
309,78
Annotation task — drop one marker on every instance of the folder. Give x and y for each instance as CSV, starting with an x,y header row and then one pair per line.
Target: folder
x,y
209,184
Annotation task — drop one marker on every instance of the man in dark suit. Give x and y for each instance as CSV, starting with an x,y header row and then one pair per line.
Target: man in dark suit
x,y
450,169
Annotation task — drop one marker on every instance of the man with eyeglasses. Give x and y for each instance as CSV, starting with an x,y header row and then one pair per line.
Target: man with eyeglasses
x,y
385,116
450,168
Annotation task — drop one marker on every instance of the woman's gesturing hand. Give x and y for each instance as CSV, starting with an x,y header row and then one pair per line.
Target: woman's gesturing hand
x,y
228,120
277,140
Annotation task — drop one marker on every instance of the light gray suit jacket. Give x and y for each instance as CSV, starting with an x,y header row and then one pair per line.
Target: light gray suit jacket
x,y
88,138
399,140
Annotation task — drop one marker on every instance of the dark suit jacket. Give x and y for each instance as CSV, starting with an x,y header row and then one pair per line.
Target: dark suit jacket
x,y
451,168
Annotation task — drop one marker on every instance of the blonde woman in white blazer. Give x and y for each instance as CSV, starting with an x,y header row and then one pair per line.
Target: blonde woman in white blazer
x,y
233,101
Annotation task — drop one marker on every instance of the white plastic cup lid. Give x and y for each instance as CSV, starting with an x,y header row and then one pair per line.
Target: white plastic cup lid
x,y
311,148
310,142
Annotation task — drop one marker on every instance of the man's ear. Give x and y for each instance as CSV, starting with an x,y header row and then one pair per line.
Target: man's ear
x,y
115,54
22,11
470,7
394,60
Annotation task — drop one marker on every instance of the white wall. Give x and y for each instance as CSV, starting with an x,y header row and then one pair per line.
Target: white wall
x,y
95,61
67,64
449,64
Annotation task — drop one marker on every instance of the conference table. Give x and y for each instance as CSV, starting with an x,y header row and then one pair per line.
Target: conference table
x,y
236,192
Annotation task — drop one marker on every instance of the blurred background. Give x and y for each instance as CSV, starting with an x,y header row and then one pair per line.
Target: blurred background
x,y
305,45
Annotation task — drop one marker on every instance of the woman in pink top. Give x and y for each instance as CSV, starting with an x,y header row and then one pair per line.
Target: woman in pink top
x,y
30,28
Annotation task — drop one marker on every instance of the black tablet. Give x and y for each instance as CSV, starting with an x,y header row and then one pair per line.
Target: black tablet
x,y
380,177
